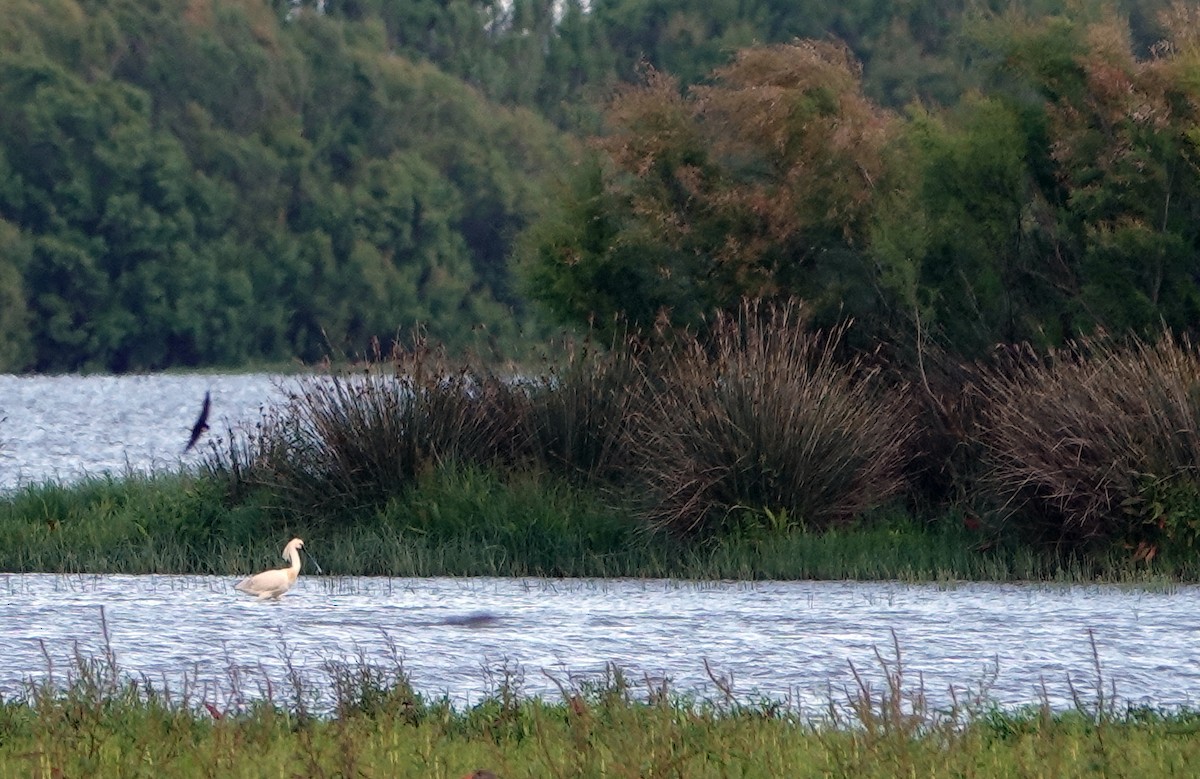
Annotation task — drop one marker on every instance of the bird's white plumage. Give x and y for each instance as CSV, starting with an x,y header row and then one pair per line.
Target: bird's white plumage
x,y
275,582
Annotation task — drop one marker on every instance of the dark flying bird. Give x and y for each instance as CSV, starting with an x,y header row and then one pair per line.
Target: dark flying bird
x,y
201,425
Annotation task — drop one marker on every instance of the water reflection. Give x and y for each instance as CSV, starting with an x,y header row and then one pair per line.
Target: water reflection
x,y
792,641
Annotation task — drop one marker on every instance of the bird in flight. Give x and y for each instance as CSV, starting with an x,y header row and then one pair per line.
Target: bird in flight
x,y
201,425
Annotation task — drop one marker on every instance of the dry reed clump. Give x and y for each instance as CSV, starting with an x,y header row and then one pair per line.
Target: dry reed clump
x,y
356,439
579,412
1099,442
761,419
342,442
943,464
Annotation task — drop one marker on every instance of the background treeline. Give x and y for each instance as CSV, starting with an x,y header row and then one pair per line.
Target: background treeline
x,y
199,182
1056,198
194,183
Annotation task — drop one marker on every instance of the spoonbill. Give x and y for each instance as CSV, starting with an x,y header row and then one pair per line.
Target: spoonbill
x,y
201,425
273,583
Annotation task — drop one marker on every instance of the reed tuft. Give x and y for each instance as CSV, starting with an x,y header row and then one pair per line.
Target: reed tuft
x,y
579,412
762,419
1099,443
352,441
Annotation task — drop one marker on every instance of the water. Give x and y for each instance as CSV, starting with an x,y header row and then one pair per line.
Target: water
x,y
791,641
67,427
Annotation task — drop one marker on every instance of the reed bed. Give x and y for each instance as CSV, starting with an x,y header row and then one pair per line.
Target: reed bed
x,y
95,720
580,413
350,441
762,450
759,420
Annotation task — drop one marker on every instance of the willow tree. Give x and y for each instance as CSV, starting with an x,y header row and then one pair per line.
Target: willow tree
x,y
758,184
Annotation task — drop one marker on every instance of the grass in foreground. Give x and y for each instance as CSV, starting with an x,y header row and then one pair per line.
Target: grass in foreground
x,y
469,522
102,723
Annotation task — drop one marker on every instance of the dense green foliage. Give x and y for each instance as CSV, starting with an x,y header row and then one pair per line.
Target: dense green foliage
x,y
561,56
199,182
193,183
1057,197
97,721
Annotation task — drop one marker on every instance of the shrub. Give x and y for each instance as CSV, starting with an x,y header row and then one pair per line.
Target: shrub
x,y
356,439
943,466
347,441
1098,442
579,412
761,418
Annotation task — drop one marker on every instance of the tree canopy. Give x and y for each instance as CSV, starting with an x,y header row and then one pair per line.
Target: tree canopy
x,y
1056,198
199,182
206,182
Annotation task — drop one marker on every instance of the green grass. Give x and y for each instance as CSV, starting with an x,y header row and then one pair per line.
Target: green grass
x,y
472,522
101,722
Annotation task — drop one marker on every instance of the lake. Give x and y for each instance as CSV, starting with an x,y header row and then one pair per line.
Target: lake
x,y
787,640
792,641
66,427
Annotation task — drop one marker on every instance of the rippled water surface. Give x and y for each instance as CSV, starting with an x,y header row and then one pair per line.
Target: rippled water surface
x,y
791,641
63,427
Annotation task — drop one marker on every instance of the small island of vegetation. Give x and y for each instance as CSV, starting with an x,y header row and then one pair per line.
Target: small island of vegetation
x,y
760,449
841,313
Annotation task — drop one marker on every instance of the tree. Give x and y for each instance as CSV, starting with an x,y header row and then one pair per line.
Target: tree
x,y
16,350
1117,167
1063,200
196,182
757,185
958,239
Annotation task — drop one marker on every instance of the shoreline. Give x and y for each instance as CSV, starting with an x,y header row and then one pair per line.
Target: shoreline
x,y
470,523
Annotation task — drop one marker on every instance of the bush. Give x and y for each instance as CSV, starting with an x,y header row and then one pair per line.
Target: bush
x,y
756,417
1098,443
357,439
350,441
761,419
579,414
943,463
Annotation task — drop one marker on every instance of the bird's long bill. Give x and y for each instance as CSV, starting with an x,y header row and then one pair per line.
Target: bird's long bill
x,y
314,562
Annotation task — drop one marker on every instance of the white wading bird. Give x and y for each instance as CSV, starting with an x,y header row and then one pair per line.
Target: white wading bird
x,y
275,582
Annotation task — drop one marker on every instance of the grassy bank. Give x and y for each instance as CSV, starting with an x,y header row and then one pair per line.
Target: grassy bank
x,y
469,522
101,723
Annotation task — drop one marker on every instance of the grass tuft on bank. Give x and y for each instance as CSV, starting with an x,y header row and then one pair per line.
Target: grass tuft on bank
x,y
354,718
